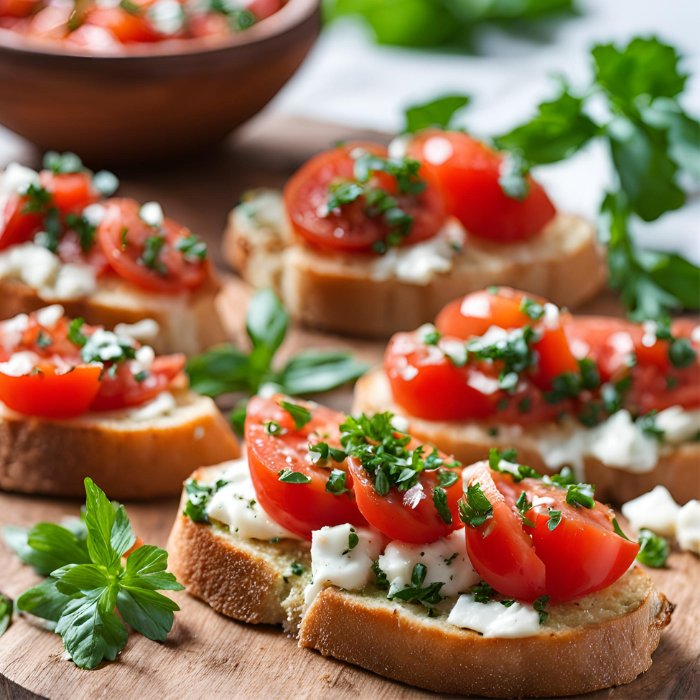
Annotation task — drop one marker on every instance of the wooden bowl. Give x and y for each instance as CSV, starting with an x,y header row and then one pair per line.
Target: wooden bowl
x,y
156,101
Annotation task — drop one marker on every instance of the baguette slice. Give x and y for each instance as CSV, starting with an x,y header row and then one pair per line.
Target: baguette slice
x,y
350,294
188,322
470,441
127,458
599,641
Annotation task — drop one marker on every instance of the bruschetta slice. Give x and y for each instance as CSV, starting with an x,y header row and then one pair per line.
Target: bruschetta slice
x,y
77,400
616,401
108,260
368,244
454,580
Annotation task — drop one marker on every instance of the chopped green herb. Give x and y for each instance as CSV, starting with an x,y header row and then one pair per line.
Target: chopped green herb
x,y
300,415
297,568
580,495
531,308
288,476
554,519
447,478
198,498
151,252
381,580
438,113
440,503
272,427
540,604
141,376
85,230
336,483
653,550
648,426
43,339
75,334
482,592
618,530
322,452
192,247
415,592
474,507
523,506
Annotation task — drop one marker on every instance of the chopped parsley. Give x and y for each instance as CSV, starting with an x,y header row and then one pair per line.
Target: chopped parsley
x,y
273,428
198,498
86,231
322,452
540,604
474,506
578,495
43,340
297,569
336,483
381,580
653,550
353,541
289,476
554,519
531,309
300,415
648,426
192,247
440,503
415,592
150,257
523,506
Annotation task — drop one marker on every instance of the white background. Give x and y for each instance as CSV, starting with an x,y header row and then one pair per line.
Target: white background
x,y
350,80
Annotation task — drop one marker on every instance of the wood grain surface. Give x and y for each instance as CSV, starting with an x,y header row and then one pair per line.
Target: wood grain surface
x,y
207,655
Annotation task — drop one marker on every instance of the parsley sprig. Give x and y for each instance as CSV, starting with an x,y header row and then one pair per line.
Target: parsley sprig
x,y
87,581
227,369
416,592
651,140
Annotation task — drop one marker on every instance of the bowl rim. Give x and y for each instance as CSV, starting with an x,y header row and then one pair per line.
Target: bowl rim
x,y
292,14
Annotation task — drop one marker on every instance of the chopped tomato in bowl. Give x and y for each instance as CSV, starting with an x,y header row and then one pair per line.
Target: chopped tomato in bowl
x,y
470,173
52,367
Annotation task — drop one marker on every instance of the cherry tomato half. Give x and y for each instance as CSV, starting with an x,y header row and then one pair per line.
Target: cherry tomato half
x,y
300,508
18,227
469,173
350,228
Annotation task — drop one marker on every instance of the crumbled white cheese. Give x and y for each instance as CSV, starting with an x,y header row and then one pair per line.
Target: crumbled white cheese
x,y
145,356
420,262
688,527
414,496
261,209
20,364
167,17
144,330
678,425
12,331
334,563
161,405
151,212
235,505
656,511
493,619
39,268
16,179
49,316
551,319
400,423
398,147
618,442
94,213
446,561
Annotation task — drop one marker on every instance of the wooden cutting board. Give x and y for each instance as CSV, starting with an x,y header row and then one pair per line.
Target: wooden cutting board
x,y
207,655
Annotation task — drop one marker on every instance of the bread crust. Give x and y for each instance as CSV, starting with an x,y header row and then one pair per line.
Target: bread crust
x,y
470,442
338,293
127,459
392,641
189,322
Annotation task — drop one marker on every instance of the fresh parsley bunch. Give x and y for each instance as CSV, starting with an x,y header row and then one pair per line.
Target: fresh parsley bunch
x,y
87,581
652,142
226,369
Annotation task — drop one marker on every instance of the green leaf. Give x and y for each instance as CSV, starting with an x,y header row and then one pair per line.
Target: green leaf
x,y
147,611
336,483
554,519
90,632
99,520
313,372
540,604
438,113
474,506
559,129
440,503
59,542
300,415
580,495
643,67
146,568
447,478
44,562
5,613
122,537
618,530
62,163
653,550
222,370
266,321
674,275
46,601
291,477
513,176
84,577
647,174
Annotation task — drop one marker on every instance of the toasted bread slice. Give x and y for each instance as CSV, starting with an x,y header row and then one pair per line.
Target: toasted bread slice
x,y
601,640
188,322
360,294
128,456
470,441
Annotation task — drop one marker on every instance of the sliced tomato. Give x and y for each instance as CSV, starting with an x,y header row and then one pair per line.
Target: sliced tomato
x,y
350,228
474,314
581,555
70,251
71,192
263,8
123,236
209,25
17,227
48,394
300,508
401,518
469,173
124,389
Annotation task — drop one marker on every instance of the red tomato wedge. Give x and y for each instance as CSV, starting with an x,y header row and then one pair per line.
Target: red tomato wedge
x,y
48,394
402,518
17,227
469,173
475,313
300,508
124,236
581,555
71,192
350,228
127,27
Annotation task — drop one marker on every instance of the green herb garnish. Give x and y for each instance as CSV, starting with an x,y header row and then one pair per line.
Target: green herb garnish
x,y
653,550
474,506
288,476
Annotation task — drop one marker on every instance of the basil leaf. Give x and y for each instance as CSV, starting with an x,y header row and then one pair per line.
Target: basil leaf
x,y
312,371
222,370
300,415
147,611
291,477
91,632
45,600
437,113
558,130
266,321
